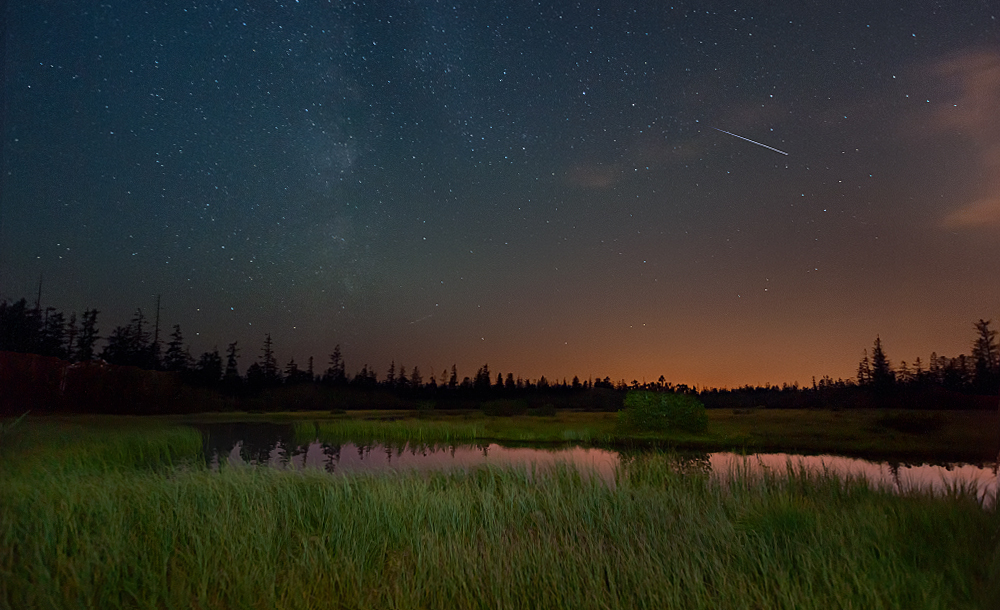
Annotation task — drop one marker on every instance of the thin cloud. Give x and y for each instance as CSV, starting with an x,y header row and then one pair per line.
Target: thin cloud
x,y
973,112
979,213
975,77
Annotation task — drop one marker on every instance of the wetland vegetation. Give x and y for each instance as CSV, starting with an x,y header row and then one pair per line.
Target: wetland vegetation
x,y
877,434
108,497
123,512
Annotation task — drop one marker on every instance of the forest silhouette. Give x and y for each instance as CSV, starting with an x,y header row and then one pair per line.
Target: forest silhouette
x,y
50,362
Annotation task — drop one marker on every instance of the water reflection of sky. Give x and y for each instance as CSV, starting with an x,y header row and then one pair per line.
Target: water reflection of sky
x,y
896,476
349,457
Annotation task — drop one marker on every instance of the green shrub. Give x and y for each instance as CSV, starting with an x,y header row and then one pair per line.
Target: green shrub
x,y
504,408
425,409
913,423
546,410
658,411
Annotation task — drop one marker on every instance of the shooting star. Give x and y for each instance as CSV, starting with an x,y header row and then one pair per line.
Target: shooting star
x,y
751,141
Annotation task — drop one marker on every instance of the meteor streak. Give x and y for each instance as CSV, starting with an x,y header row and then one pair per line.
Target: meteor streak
x,y
751,141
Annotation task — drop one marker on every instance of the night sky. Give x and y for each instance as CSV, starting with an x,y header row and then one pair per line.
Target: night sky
x,y
542,187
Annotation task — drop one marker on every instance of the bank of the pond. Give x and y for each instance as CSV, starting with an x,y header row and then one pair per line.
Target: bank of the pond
x,y
353,458
877,434
160,530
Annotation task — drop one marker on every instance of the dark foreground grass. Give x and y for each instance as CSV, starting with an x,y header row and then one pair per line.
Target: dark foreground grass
x,y
78,528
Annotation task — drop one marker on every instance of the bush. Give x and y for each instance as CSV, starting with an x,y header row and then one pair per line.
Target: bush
x,y
913,423
657,411
504,408
425,408
546,410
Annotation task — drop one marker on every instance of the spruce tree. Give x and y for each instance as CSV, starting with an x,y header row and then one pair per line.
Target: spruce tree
x,y
209,368
292,372
986,357
87,336
335,374
864,370
177,357
882,375
52,340
232,374
268,362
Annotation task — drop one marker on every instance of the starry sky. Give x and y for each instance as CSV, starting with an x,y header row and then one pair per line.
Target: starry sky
x,y
540,186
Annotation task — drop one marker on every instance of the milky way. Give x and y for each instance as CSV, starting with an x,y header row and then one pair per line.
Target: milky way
x,y
540,188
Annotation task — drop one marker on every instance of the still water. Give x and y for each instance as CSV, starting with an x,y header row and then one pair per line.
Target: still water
x,y
275,445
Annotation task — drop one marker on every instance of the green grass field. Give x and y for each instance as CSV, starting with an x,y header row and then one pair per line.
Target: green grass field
x,y
121,513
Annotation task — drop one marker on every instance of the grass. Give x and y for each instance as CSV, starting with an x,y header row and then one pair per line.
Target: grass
x,y
466,427
93,516
413,431
878,434
948,435
97,445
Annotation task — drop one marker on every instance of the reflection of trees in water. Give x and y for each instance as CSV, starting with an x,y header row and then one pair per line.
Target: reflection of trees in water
x,y
285,454
894,470
256,440
285,445
331,455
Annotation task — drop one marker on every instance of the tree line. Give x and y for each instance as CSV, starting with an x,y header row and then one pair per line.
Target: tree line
x,y
975,374
30,328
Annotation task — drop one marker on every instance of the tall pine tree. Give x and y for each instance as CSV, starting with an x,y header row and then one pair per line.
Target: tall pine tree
x,y
177,357
882,375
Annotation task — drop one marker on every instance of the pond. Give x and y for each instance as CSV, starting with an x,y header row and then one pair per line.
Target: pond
x,y
279,446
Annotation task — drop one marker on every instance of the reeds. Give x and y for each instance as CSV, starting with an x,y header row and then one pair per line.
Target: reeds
x,y
419,431
128,445
153,535
408,431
